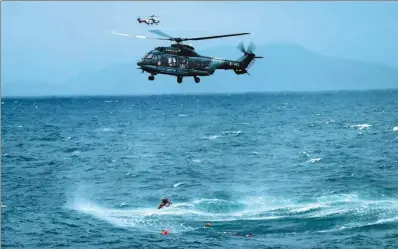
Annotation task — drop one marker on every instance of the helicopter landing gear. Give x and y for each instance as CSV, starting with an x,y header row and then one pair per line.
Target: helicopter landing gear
x,y
197,79
151,77
179,79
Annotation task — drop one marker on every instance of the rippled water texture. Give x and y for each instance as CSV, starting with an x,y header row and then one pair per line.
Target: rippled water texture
x,y
301,170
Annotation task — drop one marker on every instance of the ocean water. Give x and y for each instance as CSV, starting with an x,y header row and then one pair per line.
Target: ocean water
x,y
296,170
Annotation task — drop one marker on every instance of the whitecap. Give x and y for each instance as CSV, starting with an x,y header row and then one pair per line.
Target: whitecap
x,y
314,160
383,221
178,184
361,126
306,208
232,132
106,129
211,137
76,152
331,121
395,128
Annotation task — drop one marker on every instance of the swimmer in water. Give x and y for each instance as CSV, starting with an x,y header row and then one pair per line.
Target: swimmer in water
x,y
165,202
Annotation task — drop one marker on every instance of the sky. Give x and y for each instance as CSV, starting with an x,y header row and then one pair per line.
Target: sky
x,y
53,41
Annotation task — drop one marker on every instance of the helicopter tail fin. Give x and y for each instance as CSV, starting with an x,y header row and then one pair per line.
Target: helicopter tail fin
x,y
247,59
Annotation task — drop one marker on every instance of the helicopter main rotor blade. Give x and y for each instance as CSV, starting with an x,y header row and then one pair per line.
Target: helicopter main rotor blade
x,y
121,34
137,36
212,37
152,38
160,33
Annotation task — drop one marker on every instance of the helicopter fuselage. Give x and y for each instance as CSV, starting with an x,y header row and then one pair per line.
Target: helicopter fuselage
x,y
182,61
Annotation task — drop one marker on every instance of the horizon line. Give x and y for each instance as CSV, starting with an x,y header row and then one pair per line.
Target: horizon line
x,y
200,94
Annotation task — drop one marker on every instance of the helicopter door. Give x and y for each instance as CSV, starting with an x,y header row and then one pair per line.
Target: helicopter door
x,y
183,63
172,61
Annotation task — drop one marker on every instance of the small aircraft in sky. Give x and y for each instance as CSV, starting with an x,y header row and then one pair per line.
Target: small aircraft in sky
x,y
149,21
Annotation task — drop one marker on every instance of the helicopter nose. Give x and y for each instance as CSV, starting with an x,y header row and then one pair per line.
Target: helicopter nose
x,y
139,63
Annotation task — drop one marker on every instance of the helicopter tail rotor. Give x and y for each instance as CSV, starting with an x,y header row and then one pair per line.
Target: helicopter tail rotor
x,y
250,49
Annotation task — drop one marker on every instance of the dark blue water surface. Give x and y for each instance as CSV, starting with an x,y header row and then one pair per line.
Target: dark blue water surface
x,y
303,170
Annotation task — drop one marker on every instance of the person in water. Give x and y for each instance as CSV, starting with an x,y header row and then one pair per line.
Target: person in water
x,y
165,202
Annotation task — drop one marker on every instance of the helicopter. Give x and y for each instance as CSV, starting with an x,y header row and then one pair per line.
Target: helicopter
x,y
149,21
182,60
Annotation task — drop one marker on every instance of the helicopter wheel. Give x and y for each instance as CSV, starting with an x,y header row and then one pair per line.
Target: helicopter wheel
x,y
151,77
197,79
179,79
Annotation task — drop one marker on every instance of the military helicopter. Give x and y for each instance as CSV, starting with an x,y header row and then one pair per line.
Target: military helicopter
x,y
149,21
181,60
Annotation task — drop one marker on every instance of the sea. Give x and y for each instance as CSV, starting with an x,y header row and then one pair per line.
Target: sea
x,y
250,170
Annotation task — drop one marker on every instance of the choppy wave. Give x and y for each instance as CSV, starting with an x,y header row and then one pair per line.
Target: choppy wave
x,y
237,162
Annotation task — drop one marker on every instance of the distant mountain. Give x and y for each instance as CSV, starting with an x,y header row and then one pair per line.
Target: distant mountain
x,y
290,67
286,67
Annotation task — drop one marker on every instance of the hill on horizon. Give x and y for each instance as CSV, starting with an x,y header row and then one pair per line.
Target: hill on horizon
x,y
286,67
